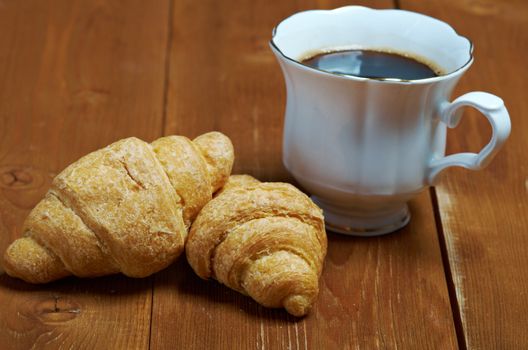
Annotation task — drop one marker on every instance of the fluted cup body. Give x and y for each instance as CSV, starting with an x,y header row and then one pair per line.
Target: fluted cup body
x,y
363,147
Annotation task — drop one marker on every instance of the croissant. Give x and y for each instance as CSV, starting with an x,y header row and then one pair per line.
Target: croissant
x,y
265,240
124,208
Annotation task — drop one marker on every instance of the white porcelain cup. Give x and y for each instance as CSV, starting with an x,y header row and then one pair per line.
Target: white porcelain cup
x,y
363,147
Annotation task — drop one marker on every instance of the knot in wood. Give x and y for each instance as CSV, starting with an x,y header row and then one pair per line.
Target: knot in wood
x,y
16,177
56,309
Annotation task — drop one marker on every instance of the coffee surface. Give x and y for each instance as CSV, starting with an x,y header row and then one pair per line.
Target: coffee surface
x,y
371,64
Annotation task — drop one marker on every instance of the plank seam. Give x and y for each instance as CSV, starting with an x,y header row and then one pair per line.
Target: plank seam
x,y
167,69
455,306
152,284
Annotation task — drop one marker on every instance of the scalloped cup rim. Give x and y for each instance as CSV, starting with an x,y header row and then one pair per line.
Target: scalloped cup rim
x,y
344,9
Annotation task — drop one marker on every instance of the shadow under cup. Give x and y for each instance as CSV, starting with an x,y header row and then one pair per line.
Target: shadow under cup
x,y
364,147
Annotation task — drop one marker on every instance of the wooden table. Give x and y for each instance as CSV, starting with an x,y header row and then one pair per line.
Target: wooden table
x,y
78,75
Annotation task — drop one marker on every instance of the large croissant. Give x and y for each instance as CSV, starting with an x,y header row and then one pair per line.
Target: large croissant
x,y
124,208
265,240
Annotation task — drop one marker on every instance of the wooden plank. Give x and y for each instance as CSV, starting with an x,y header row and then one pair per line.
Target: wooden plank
x,y
74,76
484,214
384,292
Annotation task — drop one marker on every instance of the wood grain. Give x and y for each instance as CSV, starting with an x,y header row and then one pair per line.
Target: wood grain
x,y
74,76
484,214
387,292
378,293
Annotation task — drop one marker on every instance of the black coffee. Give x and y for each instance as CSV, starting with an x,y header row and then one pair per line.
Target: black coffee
x,y
371,64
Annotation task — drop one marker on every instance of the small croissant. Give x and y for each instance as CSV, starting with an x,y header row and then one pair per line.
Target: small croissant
x,y
124,208
265,240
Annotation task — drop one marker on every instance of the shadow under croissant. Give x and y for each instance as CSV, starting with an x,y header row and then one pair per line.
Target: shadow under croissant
x,y
118,285
181,280
178,279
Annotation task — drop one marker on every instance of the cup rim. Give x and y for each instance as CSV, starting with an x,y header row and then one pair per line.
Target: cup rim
x,y
383,80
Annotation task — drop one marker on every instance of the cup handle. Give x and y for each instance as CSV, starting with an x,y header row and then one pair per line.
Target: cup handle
x,y
492,107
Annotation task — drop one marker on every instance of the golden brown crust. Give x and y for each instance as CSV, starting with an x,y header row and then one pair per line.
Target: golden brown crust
x,y
262,239
187,172
52,224
27,259
125,197
218,153
238,181
117,209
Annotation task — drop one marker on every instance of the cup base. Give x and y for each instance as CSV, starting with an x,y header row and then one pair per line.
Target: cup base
x,y
363,224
